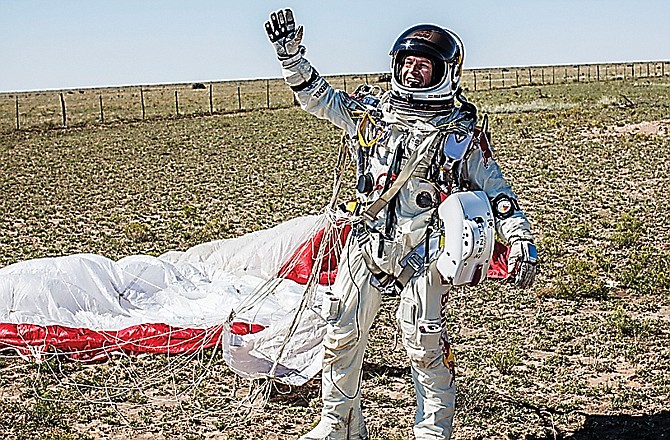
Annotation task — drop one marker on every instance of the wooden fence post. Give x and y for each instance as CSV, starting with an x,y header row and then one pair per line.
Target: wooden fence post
x,y
62,106
578,72
503,78
176,103
102,114
553,74
239,98
474,75
542,75
211,101
530,76
344,79
517,78
16,100
598,72
142,101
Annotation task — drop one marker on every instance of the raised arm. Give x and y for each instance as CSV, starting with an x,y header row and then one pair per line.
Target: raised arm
x,y
311,89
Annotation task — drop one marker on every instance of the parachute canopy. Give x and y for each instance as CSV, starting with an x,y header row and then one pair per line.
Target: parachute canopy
x,y
257,296
88,307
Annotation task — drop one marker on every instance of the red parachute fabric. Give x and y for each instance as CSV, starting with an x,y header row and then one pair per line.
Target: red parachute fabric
x,y
92,345
299,267
498,269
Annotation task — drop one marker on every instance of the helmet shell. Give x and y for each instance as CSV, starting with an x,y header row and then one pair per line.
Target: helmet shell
x,y
444,48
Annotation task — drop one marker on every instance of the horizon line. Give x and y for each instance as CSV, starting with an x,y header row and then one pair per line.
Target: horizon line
x,y
176,83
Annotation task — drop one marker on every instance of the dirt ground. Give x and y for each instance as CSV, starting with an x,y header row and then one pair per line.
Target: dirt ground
x,y
583,354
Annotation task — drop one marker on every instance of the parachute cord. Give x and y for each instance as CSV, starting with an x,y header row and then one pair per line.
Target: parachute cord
x,y
311,284
328,235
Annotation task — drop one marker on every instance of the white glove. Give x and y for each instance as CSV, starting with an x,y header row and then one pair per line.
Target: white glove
x,y
522,263
283,34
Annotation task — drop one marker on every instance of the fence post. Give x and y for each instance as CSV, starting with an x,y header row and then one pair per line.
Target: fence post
x,y
517,78
62,106
102,114
344,79
176,103
211,101
663,69
530,76
553,74
16,100
503,78
542,75
632,71
366,78
142,101
239,98
474,74
598,72
490,82
647,70
267,92
578,72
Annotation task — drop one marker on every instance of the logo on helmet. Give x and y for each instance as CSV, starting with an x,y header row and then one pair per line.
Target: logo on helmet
x,y
424,34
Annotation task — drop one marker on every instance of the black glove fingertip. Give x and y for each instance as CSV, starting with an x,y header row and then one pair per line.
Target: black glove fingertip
x,y
275,21
268,30
290,21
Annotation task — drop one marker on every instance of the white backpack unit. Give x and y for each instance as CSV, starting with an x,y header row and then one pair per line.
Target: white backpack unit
x,y
469,234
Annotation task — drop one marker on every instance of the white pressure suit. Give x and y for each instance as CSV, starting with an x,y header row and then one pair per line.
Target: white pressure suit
x,y
389,140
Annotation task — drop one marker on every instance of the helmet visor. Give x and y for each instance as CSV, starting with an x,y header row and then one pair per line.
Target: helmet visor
x,y
414,70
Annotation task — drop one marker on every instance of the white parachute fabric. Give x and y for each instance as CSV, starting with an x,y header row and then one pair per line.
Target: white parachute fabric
x,y
223,293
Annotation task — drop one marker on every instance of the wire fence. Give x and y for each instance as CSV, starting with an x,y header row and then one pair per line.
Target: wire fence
x,y
81,107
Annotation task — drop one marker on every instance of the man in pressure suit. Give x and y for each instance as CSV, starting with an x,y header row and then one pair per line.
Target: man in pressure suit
x,y
415,145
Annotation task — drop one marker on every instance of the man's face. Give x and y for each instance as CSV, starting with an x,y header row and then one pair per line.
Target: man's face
x,y
416,72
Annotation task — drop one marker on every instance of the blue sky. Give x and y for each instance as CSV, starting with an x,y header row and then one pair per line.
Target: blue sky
x,y
53,44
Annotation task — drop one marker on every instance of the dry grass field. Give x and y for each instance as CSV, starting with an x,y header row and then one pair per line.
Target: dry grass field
x,y
584,354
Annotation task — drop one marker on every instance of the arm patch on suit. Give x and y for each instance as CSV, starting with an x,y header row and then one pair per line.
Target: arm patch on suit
x,y
504,206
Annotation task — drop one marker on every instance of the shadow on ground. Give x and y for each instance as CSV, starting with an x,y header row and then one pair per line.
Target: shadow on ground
x,y
619,427
625,427
372,369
